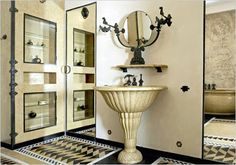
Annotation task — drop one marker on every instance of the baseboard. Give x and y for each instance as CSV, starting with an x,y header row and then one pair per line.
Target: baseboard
x,y
81,128
19,145
81,136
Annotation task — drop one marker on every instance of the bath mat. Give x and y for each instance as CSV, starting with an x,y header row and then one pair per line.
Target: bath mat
x,y
68,150
88,132
220,128
163,160
220,140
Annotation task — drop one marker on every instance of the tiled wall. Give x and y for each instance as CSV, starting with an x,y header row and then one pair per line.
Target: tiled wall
x,y
220,49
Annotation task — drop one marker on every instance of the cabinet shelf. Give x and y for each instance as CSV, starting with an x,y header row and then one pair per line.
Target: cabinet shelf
x,y
36,46
37,36
35,104
158,67
39,116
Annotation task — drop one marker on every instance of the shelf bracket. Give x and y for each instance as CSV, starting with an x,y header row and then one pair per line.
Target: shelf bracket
x,y
159,69
124,69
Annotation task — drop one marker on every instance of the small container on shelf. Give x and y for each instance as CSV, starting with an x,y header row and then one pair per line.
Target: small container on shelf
x,y
36,60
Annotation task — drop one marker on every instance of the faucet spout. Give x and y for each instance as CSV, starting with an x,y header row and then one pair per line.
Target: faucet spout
x,y
128,83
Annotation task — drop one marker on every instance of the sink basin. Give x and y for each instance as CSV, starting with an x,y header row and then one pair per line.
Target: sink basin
x,y
129,99
130,102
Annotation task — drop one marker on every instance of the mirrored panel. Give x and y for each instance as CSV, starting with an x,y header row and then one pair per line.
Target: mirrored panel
x,y
39,110
39,40
219,93
83,48
137,28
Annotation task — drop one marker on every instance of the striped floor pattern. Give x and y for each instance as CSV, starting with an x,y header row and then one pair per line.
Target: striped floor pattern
x,y
5,160
68,150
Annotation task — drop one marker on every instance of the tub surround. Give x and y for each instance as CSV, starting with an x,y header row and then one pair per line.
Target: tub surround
x,y
220,102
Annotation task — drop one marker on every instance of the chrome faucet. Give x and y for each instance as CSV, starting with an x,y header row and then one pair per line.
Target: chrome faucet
x,y
128,83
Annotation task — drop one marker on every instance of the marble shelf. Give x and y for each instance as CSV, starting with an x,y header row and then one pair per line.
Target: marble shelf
x,y
158,67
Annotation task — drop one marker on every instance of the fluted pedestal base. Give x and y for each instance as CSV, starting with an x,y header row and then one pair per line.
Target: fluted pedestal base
x,y
130,123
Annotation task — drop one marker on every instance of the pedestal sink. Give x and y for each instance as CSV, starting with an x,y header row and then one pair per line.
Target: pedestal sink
x,y
130,102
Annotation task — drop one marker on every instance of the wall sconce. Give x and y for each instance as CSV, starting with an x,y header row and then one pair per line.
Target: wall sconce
x,y
85,12
143,43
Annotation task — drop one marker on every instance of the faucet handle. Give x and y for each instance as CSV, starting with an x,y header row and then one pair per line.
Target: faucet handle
x,y
213,86
141,80
134,83
129,75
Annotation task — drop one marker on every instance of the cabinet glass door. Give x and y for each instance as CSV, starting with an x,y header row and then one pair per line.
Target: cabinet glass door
x,y
39,52
81,60
40,40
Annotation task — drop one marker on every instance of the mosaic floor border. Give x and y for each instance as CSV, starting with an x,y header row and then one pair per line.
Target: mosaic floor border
x,y
89,145
164,160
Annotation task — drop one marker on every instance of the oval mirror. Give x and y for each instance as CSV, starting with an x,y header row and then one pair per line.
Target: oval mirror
x,y
137,28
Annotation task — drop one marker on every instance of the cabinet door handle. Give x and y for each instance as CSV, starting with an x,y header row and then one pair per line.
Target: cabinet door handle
x,y
32,114
68,70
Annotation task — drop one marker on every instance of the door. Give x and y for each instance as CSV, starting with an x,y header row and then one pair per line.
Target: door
x,y
39,51
81,61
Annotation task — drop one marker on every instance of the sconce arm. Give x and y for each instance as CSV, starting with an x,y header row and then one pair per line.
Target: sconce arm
x,y
160,21
158,33
116,30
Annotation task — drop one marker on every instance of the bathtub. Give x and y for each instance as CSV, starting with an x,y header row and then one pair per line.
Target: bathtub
x,y
220,102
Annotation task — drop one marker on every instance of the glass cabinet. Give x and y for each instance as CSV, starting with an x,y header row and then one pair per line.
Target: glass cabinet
x,y
83,48
39,110
39,52
83,105
42,100
80,39
39,40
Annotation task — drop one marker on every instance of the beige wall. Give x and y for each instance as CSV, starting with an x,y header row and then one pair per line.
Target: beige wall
x,y
175,116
